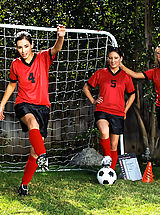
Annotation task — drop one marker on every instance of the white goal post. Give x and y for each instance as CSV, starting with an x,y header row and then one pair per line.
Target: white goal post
x,y
71,121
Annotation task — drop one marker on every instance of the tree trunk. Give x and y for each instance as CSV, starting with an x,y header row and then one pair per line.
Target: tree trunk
x,y
154,138
148,27
136,57
142,126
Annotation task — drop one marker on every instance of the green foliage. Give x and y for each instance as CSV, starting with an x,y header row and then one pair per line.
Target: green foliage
x,y
124,19
149,92
78,192
91,135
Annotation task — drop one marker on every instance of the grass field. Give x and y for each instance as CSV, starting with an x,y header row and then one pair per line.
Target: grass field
x,y
78,193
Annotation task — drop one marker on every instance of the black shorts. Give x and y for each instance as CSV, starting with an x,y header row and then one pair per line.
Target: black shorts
x,y
116,123
158,115
40,112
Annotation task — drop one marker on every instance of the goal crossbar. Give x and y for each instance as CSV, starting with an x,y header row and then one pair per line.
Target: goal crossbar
x,y
83,31
71,123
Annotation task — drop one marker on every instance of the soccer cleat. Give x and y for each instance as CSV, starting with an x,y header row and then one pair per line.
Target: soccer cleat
x,y
23,190
42,162
106,161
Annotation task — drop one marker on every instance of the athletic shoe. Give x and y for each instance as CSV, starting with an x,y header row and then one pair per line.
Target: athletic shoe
x,y
106,161
42,162
23,190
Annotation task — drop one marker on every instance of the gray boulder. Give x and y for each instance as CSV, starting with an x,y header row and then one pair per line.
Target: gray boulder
x,y
87,157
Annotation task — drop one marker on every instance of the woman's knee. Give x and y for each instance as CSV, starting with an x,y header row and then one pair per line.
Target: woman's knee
x,y
103,127
104,134
30,121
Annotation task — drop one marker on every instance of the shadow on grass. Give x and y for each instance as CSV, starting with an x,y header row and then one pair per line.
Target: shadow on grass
x,y
77,192
48,192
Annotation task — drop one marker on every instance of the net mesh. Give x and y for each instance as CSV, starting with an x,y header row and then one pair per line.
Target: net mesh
x,y
71,114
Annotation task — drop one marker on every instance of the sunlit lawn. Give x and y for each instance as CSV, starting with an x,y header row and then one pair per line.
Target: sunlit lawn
x,y
78,192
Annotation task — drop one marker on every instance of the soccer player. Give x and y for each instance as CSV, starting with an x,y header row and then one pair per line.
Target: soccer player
x,y
32,103
151,74
111,109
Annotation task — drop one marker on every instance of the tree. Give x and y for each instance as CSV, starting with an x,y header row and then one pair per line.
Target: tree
x,y
135,25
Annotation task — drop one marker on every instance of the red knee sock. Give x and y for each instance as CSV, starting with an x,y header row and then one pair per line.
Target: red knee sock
x,y
36,140
30,169
114,157
106,146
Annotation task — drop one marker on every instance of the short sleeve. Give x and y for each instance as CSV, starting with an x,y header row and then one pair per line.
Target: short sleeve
x,y
51,57
46,55
149,74
94,79
129,85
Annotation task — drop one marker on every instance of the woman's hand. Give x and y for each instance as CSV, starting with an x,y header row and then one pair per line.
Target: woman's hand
x,y
98,101
1,112
125,114
61,30
121,65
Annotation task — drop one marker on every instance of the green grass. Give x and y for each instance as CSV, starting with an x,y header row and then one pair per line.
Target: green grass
x,y
78,192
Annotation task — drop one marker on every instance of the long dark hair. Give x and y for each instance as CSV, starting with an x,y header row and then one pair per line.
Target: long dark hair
x,y
115,49
23,35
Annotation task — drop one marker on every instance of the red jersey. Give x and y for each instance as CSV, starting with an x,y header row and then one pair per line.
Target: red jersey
x,y
154,75
32,78
111,88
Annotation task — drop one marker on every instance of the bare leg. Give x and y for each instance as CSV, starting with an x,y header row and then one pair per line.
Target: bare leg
x,y
104,141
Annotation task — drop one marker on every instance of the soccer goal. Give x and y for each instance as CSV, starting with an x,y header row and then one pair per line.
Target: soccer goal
x,y
71,121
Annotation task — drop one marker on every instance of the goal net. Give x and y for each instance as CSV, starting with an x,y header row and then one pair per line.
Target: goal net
x,y
71,121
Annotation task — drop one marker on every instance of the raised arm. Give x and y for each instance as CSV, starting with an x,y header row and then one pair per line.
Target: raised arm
x,y
132,73
59,42
10,89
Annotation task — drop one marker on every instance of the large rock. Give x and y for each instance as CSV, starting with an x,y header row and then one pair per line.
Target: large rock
x,y
87,157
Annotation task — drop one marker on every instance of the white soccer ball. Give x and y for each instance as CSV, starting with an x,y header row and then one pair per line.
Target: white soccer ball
x,y
106,176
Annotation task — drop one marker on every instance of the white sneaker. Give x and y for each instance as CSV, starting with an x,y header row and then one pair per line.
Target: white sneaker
x,y
42,162
106,161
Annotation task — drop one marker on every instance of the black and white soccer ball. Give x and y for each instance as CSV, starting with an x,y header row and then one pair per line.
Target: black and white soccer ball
x,y
106,176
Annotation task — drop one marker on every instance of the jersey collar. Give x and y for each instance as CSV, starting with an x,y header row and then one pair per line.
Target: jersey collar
x,y
29,64
114,74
